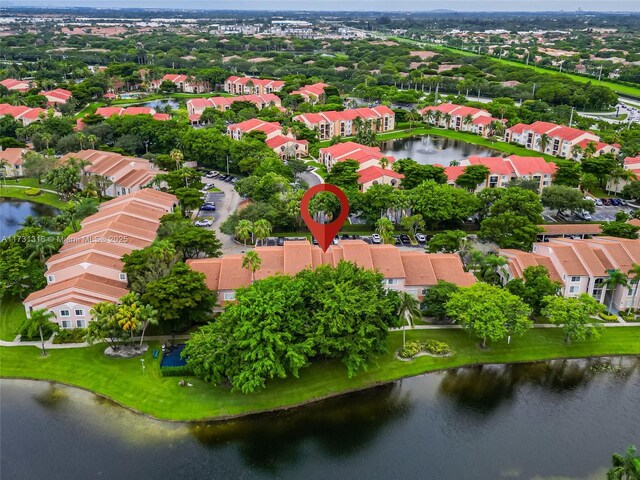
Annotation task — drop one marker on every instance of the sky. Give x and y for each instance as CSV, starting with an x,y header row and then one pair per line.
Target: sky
x,y
351,5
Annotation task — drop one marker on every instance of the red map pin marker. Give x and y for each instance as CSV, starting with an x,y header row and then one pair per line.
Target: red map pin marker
x,y
324,232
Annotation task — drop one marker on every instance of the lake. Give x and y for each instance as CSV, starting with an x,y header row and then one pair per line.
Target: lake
x,y
161,104
13,213
430,149
539,420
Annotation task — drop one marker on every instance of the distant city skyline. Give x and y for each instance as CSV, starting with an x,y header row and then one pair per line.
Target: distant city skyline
x,y
353,5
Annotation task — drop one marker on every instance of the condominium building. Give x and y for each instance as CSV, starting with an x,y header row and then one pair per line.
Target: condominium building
x,y
88,269
196,106
344,124
632,165
413,272
311,93
249,85
459,117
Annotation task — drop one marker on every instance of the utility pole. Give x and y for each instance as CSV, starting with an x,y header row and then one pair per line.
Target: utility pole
x,y
528,53
435,102
600,74
571,117
227,164
533,94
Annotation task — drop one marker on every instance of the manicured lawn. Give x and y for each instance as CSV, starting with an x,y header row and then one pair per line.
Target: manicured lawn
x,y
31,182
46,198
616,87
11,317
123,381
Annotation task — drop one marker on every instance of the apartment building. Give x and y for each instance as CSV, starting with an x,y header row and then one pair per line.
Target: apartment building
x,y
14,85
196,106
58,96
107,112
557,140
311,93
12,161
88,269
582,266
270,129
116,174
411,271
25,115
248,85
287,147
459,117
343,124
183,83
631,164
504,170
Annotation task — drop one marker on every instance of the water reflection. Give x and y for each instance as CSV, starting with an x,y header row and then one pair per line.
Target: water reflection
x,y
338,427
430,149
13,213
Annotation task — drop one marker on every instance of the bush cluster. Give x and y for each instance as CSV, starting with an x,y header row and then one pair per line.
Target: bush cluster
x,y
32,192
435,347
71,335
608,318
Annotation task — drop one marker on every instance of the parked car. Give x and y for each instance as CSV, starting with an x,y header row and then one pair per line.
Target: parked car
x,y
622,202
234,179
599,202
209,175
421,238
584,215
208,186
397,239
228,179
314,240
606,201
616,202
375,238
404,238
208,207
280,241
203,223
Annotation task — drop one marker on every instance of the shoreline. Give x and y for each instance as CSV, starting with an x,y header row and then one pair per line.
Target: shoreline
x,y
224,418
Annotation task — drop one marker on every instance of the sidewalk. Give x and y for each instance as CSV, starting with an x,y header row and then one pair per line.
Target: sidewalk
x,y
49,345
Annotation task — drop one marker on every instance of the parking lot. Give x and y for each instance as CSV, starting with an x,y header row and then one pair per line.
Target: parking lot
x,y
605,213
279,241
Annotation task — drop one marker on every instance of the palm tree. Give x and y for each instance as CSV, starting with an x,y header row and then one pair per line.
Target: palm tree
x,y
408,312
625,467
384,228
576,151
543,142
81,138
437,115
243,230
498,127
620,173
177,156
43,247
37,320
491,267
412,116
384,162
46,137
261,229
615,278
590,150
92,139
252,262
634,272
468,120
447,120
428,116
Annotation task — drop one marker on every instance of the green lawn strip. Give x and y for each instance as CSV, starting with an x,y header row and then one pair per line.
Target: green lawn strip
x,y
12,316
31,182
123,381
616,87
45,198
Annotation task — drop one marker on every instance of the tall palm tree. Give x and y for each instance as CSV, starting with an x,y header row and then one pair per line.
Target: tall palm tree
x,y
261,229
634,275
625,467
428,116
177,156
92,139
384,228
491,268
408,312
589,150
39,319
576,151
468,120
46,137
615,278
81,139
412,116
384,162
447,120
252,262
437,116
243,230
543,142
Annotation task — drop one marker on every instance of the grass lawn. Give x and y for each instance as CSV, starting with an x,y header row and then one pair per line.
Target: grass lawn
x,y
123,381
11,317
616,87
46,198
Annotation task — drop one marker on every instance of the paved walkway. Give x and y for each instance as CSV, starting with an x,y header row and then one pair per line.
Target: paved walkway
x,y
49,345
26,186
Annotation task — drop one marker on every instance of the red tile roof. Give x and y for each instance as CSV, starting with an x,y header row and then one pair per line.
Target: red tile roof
x,y
374,172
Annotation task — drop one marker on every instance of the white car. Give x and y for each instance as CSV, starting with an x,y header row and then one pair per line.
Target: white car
x,y
375,238
203,223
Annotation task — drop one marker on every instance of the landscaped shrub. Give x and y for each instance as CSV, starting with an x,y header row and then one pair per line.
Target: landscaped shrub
x,y
411,349
180,371
434,347
32,192
71,335
608,318
437,348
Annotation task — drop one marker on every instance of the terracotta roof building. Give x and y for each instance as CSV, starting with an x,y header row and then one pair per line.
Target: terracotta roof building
x,y
184,83
88,268
248,85
197,105
343,124
311,93
458,117
57,96
12,84
270,129
14,158
409,271
25,115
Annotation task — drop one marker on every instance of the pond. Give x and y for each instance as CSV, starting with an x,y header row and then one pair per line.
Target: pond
x,y
13,213
544,420
430,149
161,104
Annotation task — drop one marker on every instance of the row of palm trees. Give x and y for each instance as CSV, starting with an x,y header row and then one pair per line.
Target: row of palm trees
x,y
435,116
246,230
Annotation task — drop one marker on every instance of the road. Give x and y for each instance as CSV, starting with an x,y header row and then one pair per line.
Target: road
x,y
227,202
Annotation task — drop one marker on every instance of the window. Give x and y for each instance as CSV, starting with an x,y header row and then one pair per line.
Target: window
x,y
391,281
575,279
424,291
79,312
230,296
51,278
66,324
123,276
64,313
80,324
574,289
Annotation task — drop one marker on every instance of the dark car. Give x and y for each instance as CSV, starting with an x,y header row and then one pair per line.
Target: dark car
x,y
344,236
397,238
404,238
280,241
606,201
208,207
228,179
616,202
314,241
